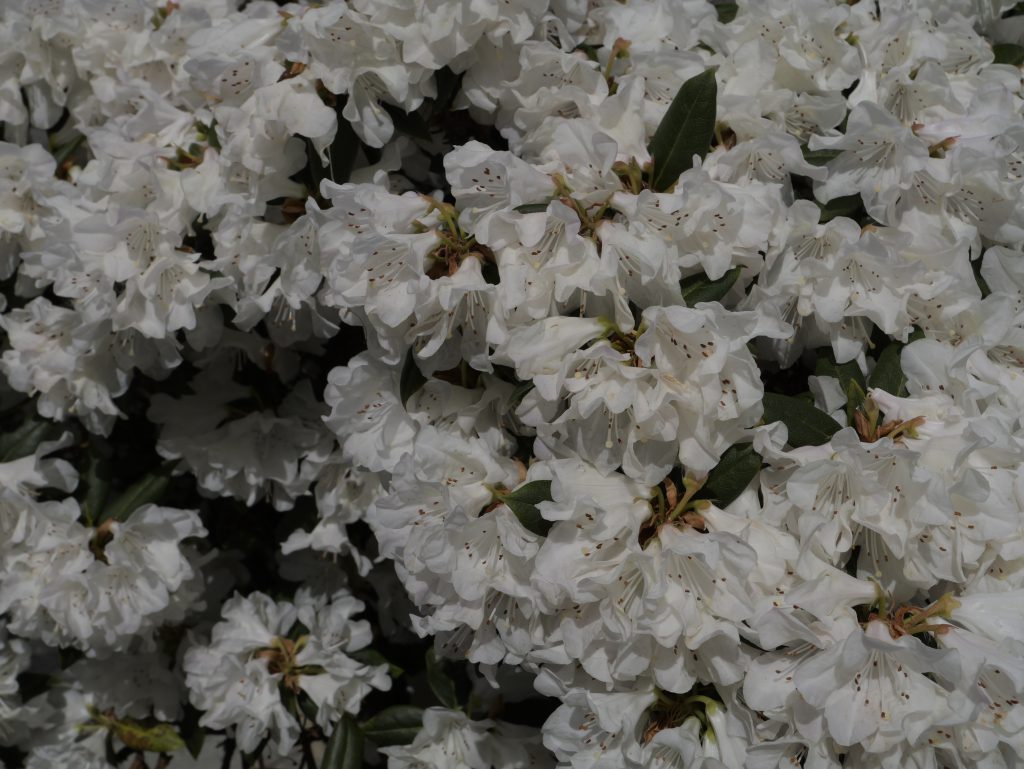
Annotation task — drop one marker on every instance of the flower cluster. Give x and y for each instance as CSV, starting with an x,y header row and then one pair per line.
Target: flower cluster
x,y
637,382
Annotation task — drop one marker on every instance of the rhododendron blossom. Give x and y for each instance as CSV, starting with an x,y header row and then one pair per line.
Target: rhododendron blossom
x,y
511,384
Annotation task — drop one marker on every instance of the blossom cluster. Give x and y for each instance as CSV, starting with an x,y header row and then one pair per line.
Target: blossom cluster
x,y
512,383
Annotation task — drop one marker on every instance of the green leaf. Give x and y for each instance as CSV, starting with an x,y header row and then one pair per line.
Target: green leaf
x,y
733,473
345,747
848,205
888,373
158,738
254,757
397,725
26,439
64,151
307,706
845,373
518,394
145,491
808,426
523,502
448,84
412,378
370,656
700,288
440,684
409,123
685,131
341,155
820,157
288,699
983,286
855,397
532,208
1008,53
98,474
192,733
726,11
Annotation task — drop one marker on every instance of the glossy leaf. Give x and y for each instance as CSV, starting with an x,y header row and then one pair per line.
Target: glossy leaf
x,y
888,372
820,157
532,208
369,656
733,473
700,288
64,152
97,478
523,502
26,439
411,379
344,749
848,206
851,379
440,684
726,11
1008,53
192,733
808,425
685,131
397,725
145,491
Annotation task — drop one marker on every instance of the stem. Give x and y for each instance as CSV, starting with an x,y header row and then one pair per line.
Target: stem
x,y
659,495
692,486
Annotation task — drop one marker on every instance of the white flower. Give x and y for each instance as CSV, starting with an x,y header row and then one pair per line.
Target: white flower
x,y
873,689
237,678
449,738
878,158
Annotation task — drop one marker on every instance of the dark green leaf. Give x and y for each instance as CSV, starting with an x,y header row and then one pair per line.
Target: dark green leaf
x,y
733,473
847,205
397,725
820,157
370,656
523,502
447,87
700,288
440,684
808,426
68,656
193,734
345,747
685,131
26,439
412,378
64,151
314,168
726,11
251,759
32,684
518,394
983,286
1008,53
288,699
409,123
532,208
341,155
145,491
888,373
855,397
98,475
845,373
307,706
